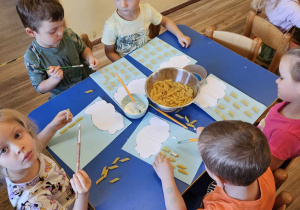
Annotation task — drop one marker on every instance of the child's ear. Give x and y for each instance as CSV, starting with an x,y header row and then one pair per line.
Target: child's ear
x,y
30,32
220,181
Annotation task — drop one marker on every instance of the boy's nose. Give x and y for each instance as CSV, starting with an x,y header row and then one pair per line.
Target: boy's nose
x,y
123,3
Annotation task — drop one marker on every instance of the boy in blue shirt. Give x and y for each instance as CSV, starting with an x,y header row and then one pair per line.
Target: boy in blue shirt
x,y
52,48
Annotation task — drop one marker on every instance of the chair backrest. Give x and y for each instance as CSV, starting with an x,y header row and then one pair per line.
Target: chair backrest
x,y
86,40
269,34
283,200
239,44
153,30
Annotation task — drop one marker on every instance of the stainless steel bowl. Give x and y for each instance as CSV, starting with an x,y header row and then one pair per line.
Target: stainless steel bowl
x,y
177,75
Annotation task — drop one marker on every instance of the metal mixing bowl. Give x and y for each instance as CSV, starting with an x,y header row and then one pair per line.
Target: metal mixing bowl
x,y
177,75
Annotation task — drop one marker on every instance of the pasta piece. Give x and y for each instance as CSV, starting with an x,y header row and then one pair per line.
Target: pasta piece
x,y
247,113
122,71
165,149
78,119
88,91
183,171
134,55
153,61
114,180
152,53
141,60
230,113
158,49
163,153
130,69
124,64
173,51
113,167
106,77
255,109
166,54
226,98
124,160
190,125
181,166
233,94
106,69
172,159
186,119
223,117
193,122
105,173
146,56
173,166
127,77
244,102
116,160
218,112
145,47
101,71
115,67
166,45
174,154
178,115
159,57
160,41
72,124
113,84
148,66
99,180
236,106
139,52
108,87
152,43
103,170
135,73
220,106
112,74
64,130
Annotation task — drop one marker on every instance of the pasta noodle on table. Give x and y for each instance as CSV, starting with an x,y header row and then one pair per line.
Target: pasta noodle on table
x,y
171,94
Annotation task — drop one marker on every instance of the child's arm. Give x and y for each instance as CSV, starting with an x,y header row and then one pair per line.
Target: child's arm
x,y
57,123
56,75
170,26
81,183
110,53
164,170
275,163
88,56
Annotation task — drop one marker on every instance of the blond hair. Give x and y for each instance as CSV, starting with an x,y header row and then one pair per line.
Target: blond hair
x,y
294,54
235,151
7,115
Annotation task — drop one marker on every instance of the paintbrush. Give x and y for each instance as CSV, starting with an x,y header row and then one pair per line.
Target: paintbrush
x,y
78,152
136,105
65,67
187,141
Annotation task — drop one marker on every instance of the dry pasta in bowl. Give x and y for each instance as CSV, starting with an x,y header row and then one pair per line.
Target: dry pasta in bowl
x,y
171,94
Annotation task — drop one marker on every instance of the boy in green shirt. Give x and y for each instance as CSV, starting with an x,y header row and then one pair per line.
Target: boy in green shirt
x,y
52,48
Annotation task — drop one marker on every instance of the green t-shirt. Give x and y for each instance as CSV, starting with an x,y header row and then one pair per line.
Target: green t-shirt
x,y
67,53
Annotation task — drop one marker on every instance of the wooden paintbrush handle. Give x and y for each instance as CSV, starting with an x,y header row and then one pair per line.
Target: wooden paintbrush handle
x,y
125,88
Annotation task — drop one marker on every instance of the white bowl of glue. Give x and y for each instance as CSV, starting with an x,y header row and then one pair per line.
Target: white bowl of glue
x,y
131,110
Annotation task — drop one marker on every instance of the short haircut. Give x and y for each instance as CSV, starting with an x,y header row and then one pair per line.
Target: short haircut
x,y
234,150
33,12
8,115
294,54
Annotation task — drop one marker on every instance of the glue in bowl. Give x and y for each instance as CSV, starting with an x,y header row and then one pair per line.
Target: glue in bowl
x,y
130,109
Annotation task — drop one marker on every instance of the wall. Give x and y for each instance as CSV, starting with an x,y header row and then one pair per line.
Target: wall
x,y
88,16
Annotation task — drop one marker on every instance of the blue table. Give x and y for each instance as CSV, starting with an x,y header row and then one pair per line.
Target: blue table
x,y
140,187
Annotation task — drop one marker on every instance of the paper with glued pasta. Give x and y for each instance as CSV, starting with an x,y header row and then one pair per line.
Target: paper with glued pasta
x,y
188,153
93,139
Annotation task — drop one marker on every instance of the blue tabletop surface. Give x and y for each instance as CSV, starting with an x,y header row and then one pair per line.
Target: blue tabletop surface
x,y
139,187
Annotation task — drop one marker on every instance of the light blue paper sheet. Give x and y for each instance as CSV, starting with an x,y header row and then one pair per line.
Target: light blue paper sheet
x,y
124,68
155,52
93,140
188,152
228,106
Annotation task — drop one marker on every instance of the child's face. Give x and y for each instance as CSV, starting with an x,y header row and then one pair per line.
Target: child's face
x,y
49,34
127,7
18,150
287,86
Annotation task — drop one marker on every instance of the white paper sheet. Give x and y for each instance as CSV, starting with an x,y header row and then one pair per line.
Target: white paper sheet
x,y
176,61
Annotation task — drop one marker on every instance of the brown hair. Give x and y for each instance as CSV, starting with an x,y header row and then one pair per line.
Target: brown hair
x,y
234,150
32,12
7,115
294,54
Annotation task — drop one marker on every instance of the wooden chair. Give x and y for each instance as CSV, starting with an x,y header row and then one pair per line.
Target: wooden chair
x,y
153,30
86,40
269,34
283,200
239,44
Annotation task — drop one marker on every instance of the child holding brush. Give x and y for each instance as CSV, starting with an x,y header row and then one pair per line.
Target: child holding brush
x,y
52,48
34,181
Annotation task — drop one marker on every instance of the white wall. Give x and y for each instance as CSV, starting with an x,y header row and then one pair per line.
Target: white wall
x,y
88,16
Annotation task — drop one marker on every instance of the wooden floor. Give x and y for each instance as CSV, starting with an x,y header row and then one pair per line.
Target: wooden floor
x,y
16,91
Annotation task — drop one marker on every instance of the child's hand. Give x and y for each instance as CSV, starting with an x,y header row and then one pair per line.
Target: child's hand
x,y
55,72
199,130
184,41
61,119
163,167
81,182
94,63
